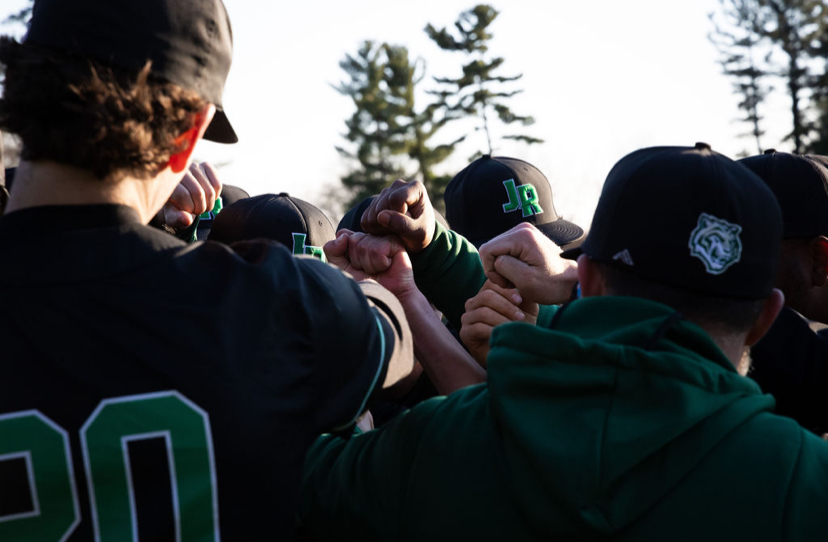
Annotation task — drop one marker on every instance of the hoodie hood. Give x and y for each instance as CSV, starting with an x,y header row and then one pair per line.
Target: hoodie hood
x,y
602,415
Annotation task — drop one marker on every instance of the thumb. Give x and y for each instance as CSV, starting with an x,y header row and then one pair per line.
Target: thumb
x,y
398,223
178,219
336,249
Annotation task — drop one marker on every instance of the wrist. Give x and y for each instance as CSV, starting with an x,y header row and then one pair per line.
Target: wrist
x,y
411,298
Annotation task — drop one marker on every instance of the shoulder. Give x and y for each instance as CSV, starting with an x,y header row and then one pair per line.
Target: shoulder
x,y
266,262
774,443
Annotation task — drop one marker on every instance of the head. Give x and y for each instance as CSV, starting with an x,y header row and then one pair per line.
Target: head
x,y
93,89
295,223
691,229
494,194
800,184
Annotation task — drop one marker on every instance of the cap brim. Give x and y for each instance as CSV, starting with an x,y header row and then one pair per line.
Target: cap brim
x,y
220,130
573,251
562,232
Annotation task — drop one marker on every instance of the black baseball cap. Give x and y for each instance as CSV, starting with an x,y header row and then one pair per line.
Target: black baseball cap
x,y
352,219
494,194
291,221
229,195
189,42
800,184
688,217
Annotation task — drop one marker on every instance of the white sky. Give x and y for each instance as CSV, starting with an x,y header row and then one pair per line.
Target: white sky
x,y
602,78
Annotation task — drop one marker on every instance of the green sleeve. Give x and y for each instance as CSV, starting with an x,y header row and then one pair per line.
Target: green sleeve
x,y
448,272
805,507
545,314
354,489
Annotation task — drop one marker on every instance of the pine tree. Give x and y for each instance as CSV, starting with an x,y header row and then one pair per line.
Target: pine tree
x,y
479,91
791,25
736,38
403,77
818,50
390,129
23,16
375,128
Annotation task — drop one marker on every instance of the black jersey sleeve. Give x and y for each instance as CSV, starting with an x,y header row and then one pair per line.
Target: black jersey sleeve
x,y
362,340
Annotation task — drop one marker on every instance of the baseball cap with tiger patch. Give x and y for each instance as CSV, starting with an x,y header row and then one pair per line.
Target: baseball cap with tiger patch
x,y
295,223
688,217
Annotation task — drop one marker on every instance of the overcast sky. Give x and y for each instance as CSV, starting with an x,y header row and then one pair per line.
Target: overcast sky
x,y
601,77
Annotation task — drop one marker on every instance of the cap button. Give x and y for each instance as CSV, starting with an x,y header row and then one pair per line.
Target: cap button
x,y
770,151
284,195
486,156
703,146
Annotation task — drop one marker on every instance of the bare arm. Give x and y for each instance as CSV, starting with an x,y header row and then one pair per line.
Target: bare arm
x,y
445,361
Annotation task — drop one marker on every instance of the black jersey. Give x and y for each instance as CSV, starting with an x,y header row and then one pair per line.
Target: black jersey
x,y
791,363
167,391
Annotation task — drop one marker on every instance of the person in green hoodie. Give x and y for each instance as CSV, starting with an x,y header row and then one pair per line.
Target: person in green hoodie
x,y
622,417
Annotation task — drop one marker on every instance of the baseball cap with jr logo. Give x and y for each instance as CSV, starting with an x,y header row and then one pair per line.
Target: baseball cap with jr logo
x,y
494,194
295,223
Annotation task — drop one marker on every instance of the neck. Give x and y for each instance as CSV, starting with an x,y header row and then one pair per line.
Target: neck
x,y
48,183
732,345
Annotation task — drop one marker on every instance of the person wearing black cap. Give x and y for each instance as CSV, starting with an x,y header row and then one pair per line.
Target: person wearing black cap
x,y
791,361
156,390
625,417
493,194
293,222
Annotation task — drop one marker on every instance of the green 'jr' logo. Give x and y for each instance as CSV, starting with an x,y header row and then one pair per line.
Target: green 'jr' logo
x,y
521,197
299,247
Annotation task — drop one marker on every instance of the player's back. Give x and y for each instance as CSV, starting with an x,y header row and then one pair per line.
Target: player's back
x,y
153,387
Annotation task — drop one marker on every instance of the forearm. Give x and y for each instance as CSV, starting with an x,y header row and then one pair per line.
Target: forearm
x,y
445,361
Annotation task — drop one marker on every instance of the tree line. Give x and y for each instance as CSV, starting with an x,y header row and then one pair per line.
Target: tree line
x,y
394,133
769,46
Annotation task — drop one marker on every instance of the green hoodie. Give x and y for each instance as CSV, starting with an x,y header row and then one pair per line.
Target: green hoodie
x,y
619,423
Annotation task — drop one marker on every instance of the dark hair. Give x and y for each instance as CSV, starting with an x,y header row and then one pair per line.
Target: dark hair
x,y
76,111
731,315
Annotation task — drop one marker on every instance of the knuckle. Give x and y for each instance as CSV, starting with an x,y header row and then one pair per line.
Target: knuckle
x,y
488,296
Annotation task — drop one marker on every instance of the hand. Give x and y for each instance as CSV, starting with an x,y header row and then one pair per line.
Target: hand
x,y
383,259
336,252
405,210
195,194
526,259
491,307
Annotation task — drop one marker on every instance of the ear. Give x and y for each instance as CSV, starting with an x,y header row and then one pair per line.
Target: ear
x,y
818,248
773,304
180,161
590,278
